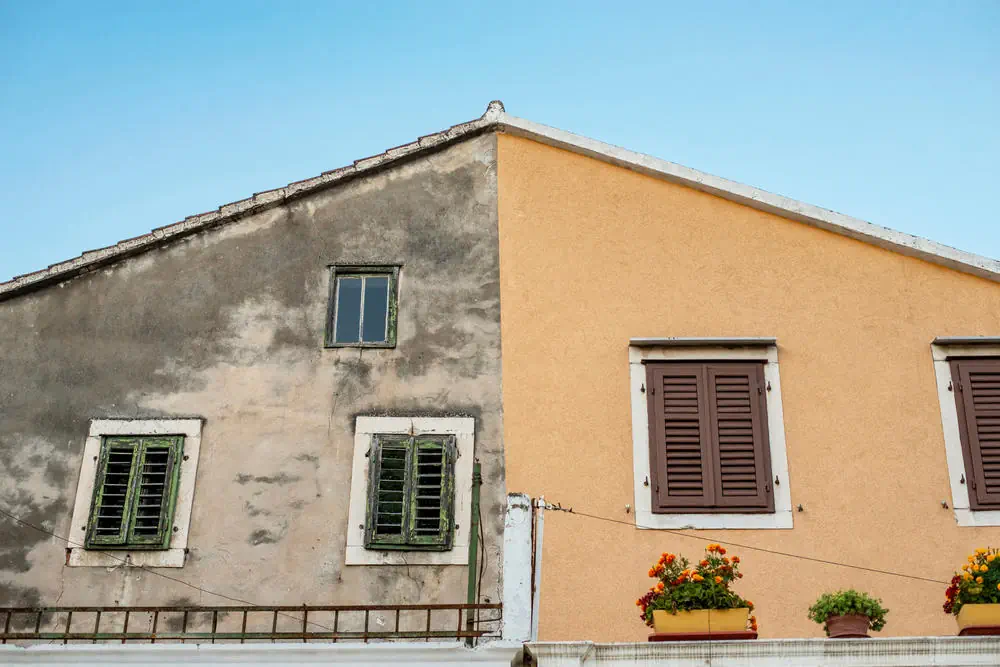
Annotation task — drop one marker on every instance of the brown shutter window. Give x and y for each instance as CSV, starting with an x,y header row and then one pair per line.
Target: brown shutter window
x,y
708,437
976,384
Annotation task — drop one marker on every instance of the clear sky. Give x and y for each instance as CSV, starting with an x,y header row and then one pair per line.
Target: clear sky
x,y
118,118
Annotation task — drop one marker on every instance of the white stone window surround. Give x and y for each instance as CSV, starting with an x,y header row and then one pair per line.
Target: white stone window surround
x,y
942,350
707,349
174,555
464,430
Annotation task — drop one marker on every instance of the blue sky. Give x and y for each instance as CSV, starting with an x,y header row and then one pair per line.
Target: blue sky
x,y
117,118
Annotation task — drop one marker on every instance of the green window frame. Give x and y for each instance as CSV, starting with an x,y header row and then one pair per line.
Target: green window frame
x,y
411,493
354,332
135,492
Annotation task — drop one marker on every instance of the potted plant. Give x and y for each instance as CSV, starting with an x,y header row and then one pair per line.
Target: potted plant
x,y
974,595
848,614
696,599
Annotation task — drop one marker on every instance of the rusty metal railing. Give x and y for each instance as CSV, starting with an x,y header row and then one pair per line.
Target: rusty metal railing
x,y
248,624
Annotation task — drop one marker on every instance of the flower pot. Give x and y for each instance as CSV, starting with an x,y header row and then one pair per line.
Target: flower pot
x,y
847,626
979,615
701,620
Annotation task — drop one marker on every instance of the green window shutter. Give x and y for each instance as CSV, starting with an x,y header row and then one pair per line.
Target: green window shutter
x,y
432,492
411,493
387,488
109,515
135,492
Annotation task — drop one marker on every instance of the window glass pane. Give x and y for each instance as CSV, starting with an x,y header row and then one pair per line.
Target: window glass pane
x,y
348,310
376,308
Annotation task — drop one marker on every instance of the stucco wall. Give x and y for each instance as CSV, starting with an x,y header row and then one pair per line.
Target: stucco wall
x,y
591,255
229,325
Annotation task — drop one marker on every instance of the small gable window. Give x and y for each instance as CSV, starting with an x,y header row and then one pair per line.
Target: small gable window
x,y
134,494
362,311
411,492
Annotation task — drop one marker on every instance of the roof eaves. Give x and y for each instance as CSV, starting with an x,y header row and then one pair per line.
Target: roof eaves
x,y
837,223
93,259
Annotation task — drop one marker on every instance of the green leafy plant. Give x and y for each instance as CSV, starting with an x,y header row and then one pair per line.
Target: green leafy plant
x,y
683,588
979,582
847,602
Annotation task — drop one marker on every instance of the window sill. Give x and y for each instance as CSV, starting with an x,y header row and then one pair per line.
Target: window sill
x,y
359,555
972,518
79,557
646,520
377,346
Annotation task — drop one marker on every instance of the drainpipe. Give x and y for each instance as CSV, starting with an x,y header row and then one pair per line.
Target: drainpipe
x,y
477,481
536,584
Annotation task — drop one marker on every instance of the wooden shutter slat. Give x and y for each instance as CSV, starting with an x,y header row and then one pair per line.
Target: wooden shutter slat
x,y
977,398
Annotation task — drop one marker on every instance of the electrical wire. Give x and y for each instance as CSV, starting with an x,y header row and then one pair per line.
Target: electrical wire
x,y
559,508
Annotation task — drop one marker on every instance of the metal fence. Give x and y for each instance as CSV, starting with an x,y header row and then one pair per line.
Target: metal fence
x,y
249,624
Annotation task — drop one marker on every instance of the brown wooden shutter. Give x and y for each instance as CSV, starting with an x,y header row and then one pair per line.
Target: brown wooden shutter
x,y
738,411
977,395
708,437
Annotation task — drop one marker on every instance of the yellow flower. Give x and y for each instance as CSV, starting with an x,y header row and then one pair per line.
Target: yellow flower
x,y
979,580
991,558
983,568
967,576
998,587
964,567
697,577
972,558
980,551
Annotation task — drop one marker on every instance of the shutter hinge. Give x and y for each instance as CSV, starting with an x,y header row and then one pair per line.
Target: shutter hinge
x,y
759,391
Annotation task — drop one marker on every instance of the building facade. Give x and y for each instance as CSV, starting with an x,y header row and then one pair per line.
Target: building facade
x,y
285,401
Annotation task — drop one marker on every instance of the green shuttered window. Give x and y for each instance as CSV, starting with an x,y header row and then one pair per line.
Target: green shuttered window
x,y
135,492
411,493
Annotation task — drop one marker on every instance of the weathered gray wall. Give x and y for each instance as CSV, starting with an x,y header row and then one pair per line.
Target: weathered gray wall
x,y
228,325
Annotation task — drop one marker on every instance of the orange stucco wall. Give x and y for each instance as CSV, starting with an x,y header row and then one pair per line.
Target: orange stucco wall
x,y
593,254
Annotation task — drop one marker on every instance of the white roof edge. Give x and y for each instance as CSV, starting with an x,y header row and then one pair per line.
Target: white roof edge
x,y
497,119
890,239
673,341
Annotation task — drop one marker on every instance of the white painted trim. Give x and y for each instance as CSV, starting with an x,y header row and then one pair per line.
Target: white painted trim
x,y
172,557
539,552
517,568
941,353
430,654
762,200
873,652
464,430
644,516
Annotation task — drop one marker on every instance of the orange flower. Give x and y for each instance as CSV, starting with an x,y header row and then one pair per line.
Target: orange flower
x,y
703,563
652,572
749,605
736,559
638,603
726,560
983,568
697,577
979,580
659,586
718,580
721,550
739,575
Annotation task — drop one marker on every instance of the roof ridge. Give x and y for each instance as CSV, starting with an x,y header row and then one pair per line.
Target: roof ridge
x,y
496,118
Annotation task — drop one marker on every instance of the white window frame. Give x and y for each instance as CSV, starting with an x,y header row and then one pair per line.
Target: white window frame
x,y
707,349
464,430
79,556
942,351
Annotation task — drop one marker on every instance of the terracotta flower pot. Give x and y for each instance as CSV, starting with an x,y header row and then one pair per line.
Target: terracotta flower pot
x,y
978,616
847,626
701,620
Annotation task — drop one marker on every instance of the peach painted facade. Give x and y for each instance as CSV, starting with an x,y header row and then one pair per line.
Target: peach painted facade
x,y
592,255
